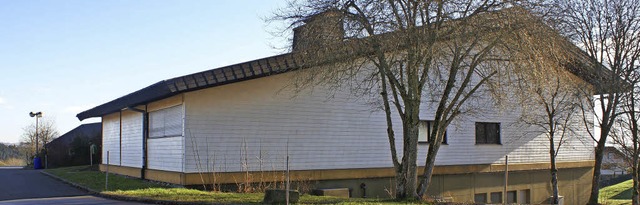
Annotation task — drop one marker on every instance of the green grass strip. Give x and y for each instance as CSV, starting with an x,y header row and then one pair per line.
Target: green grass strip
x,y
617,194
119,185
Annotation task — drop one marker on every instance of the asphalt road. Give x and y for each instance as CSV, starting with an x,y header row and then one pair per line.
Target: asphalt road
x,y
18,186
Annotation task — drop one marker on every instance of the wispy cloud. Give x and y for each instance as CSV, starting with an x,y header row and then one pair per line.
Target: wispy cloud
x,y
5,105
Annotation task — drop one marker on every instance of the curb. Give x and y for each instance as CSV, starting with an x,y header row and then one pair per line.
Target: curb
x,y
126,198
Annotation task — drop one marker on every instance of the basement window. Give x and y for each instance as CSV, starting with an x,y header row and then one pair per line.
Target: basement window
x,y
512,197
425,129
487,133
166,122
496,197
480,198
524,196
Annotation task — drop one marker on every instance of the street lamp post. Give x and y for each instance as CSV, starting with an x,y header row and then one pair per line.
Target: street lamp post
x,y
36,115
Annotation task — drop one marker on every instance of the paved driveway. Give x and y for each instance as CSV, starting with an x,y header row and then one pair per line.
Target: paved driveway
x,y
19,186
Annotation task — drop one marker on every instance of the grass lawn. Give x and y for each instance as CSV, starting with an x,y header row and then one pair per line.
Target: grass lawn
x,y
616,194
93,179
124,186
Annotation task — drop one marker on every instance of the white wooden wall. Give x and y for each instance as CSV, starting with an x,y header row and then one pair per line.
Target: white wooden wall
x,y
132,139
247,125
167,153
111,138
124,146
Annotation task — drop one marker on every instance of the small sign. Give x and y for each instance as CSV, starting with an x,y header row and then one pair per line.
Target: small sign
x,y
93,149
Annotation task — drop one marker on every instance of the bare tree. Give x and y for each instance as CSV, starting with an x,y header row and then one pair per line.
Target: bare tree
x,y
46,133
550,95
444,53
625,137
626,133
609,32
551,107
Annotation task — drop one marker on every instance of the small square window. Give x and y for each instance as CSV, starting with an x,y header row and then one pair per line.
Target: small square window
x,y
524,196
426,127
512,196
480,198
487,133
496,197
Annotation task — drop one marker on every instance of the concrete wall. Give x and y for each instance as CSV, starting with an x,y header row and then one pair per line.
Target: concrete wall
x,y
573,184
458,186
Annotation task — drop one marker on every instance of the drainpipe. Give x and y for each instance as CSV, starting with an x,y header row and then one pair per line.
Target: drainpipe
x,y
145,136
363,186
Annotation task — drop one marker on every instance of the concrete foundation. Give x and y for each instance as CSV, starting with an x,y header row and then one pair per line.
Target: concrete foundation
x,y
528,183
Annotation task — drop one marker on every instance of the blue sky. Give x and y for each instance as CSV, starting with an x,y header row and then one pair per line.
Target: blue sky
x,y
63,57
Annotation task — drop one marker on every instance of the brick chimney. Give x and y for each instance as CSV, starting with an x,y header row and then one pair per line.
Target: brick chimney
x,y
319,30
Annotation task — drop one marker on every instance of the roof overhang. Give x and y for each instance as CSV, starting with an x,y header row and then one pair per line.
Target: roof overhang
x,y
206,79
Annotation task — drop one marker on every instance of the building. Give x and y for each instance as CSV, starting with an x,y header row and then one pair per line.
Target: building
x,y
72,148
613,163
237,125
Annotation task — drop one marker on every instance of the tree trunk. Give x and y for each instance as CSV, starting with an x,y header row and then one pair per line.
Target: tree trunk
x,y
405,184
554,183
554,173
634,175
635,196
595,188
407,176
428,168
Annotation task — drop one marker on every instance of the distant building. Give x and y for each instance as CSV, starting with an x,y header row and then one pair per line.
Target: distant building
x,y
613,163
72,148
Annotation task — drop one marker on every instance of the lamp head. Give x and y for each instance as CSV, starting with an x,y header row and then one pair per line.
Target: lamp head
x,y
37,114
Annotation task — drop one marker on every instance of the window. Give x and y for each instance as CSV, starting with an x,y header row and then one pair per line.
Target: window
x,y
487,133
512,196
524,196
480,198
426,126
166,122
496,197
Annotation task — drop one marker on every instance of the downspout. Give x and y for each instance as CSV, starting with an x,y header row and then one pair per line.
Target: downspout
x,y
145,136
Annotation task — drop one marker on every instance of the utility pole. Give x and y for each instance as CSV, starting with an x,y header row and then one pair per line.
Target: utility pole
x,y
36,159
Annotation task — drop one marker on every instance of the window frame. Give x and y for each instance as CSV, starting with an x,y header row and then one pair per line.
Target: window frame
x,y
164,131
485,127
497,199
429,126
524,196
475,199
513,200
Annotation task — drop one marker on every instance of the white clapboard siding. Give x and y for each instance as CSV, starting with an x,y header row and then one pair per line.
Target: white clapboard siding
x,y
111,138
166,153
132,139
247,126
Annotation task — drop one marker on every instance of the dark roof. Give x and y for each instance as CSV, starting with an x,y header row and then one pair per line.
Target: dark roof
x,y
206,79
247,71
84,130
582,67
